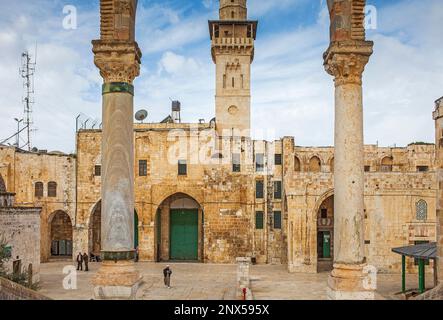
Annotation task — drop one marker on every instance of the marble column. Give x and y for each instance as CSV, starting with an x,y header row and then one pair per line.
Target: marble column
x,y
119,64
349,279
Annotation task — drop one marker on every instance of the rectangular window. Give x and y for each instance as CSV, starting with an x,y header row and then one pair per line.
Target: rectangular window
x,y
422,168
277,189
277,159
98,171
142,168
367,168
182,168
236,166
259,189
259,220
277,220
259,162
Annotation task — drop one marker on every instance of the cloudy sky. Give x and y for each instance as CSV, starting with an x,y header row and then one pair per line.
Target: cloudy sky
x,y
291,93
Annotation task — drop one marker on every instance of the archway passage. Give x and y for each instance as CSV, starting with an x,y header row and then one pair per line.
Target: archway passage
x,y
179,232
61,235
95,231
325,235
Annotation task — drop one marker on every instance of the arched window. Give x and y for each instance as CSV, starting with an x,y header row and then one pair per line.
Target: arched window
x,y
52,189
297,165
315,164
386,164
232,15
39,189
421,208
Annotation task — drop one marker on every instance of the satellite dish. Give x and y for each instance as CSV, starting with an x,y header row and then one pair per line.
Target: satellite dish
x,y
141,115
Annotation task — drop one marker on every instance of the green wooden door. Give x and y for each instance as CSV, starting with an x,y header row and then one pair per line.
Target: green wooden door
x,y
326,244
135,230
184,235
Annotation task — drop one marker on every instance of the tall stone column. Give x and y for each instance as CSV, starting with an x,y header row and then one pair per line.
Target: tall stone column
x,y
117,56
346,59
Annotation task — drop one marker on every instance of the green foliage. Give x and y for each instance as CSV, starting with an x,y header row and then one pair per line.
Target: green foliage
x,y
3,256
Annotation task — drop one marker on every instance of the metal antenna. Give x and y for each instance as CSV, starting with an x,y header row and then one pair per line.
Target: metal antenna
x,y
27,72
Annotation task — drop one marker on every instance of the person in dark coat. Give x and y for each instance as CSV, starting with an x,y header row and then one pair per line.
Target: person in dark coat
x,y
80,261
167,272
86,261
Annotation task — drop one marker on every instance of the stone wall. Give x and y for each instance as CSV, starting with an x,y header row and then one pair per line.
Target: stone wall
x,y
12,291
21,170
390,203
21,229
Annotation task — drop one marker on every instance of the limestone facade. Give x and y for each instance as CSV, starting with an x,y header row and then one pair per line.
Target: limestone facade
x,y
20,229
272,201
42,179
396,180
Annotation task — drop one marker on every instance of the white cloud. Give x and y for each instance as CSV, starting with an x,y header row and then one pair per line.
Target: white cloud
x,y
291,92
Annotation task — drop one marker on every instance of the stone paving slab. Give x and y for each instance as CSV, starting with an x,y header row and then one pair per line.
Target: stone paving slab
x,y
191,281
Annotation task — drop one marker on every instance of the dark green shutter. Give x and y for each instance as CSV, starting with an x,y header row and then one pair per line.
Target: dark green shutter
x,y
259,220
182,168
259,189
278,159
277,219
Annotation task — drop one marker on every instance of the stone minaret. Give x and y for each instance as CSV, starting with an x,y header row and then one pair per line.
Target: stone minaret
x,y
117,55
345,60
233,52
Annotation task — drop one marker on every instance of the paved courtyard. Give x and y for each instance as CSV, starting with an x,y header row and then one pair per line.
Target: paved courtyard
x,y
213,282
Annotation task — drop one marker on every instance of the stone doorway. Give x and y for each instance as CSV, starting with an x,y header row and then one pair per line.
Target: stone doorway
x,y
61,234
325,235
179,229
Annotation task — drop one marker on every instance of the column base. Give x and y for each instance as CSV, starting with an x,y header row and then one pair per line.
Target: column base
x,y
116,281
352,282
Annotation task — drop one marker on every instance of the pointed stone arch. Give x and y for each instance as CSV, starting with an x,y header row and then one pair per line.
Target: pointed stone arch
x,y
297,164
60,234
324,217
179,208
315,164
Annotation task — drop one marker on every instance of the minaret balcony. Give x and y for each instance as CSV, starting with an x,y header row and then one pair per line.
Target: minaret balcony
x,y
233,42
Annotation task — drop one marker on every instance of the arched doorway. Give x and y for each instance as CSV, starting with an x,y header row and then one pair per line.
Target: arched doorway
x,y
325,235
179,232
95,229
61,234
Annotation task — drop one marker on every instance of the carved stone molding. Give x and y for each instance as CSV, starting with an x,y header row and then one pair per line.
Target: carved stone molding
x,y
117,61
347,61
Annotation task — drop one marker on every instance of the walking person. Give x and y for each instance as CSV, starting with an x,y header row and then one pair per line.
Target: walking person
x,y
86,260
80,261
167,272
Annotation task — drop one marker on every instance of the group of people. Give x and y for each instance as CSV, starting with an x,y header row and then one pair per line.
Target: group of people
x,y
82,259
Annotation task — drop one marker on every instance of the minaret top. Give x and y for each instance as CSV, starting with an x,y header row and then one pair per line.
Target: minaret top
x,y
233,10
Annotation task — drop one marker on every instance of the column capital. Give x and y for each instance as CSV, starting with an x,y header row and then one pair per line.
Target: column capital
x,y
118,61
346,60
